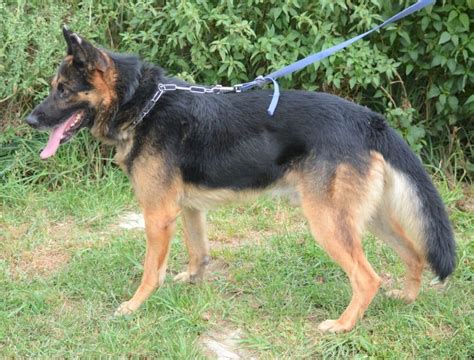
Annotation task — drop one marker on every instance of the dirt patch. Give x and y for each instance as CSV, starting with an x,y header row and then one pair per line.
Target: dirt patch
x,y
41,261
224,344
467,202
15,233
61,234
387,280
441,333
251,237
44,259
228,243
217,269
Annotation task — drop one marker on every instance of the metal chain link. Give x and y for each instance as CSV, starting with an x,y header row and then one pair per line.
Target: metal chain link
x,y
216,89
195,89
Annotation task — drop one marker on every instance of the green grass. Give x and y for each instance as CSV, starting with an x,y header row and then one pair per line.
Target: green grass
x,y
65,266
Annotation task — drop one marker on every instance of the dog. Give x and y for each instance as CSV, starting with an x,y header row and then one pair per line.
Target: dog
x,y
350,171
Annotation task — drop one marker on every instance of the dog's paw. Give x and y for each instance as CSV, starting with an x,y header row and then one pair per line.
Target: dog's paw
x,y
400,295
125,308
182,277
186,277
334,326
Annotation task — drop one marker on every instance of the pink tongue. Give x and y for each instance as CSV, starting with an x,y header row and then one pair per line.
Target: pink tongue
x,y
55,138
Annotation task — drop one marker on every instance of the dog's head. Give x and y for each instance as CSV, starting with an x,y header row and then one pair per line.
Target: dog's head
x,y
82,93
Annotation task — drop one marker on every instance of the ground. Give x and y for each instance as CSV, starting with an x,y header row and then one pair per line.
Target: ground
x,y
67,261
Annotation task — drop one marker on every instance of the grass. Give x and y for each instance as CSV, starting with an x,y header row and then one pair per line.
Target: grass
x,y
65,266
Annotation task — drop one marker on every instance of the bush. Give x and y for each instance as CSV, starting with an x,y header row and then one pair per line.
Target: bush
x,y
419,71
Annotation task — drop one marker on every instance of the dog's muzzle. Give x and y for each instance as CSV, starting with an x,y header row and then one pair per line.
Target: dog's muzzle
x,y
32,120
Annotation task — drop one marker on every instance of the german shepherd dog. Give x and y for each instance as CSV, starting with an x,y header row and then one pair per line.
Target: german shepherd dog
x,y
349,169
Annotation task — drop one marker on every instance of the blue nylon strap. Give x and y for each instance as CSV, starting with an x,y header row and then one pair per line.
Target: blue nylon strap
x,y
300,64
275,97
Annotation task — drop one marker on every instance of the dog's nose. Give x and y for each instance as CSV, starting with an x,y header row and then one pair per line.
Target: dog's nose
x,y
32,120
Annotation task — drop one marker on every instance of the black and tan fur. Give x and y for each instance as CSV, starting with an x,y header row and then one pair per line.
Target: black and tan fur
x,y
351,171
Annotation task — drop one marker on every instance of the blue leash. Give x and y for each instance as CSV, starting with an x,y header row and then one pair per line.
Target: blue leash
x,y
300,64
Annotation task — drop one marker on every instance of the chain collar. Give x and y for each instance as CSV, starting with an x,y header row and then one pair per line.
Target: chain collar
x,y
162,88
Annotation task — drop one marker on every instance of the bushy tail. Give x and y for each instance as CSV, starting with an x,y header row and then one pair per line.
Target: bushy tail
x,y
439,239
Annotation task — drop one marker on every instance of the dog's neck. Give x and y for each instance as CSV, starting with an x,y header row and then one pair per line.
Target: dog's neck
x,y
136,85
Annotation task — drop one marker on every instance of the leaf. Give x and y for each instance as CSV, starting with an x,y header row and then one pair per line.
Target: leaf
x,y
464,19
413,54
470,45
405,36
393,36
222,68
455,40
437,60
445,36
469,100
452,15
442,99
453,102
416,132
43,81
376,81
451,65
378,94
352,82
425,22
277,12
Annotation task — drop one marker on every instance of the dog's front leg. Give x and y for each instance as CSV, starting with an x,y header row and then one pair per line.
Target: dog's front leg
x,y
160,223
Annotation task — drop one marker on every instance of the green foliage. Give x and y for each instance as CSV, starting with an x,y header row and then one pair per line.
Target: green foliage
x,y
419,72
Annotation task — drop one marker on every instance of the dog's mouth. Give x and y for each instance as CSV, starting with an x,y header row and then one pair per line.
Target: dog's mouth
x,y
62,133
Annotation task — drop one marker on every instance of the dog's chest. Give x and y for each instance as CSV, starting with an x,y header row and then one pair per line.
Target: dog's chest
x,y
121,152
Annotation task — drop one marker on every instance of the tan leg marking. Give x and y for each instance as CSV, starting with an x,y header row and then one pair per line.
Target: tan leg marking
x,y
414,264
336,220
159,226
158,199
398,224
392,233
339,238
197,245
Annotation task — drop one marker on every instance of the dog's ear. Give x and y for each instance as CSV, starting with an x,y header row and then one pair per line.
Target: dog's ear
x,y
67,33
84,54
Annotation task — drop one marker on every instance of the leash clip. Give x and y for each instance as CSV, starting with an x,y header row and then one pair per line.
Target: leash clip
x,y
261,80
238,88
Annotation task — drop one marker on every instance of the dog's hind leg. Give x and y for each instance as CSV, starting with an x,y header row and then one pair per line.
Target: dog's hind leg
x,y
399,224
391,232
197,245
335,232
337,216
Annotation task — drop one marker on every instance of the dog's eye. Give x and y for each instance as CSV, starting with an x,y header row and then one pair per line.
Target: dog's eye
x,y
62,91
